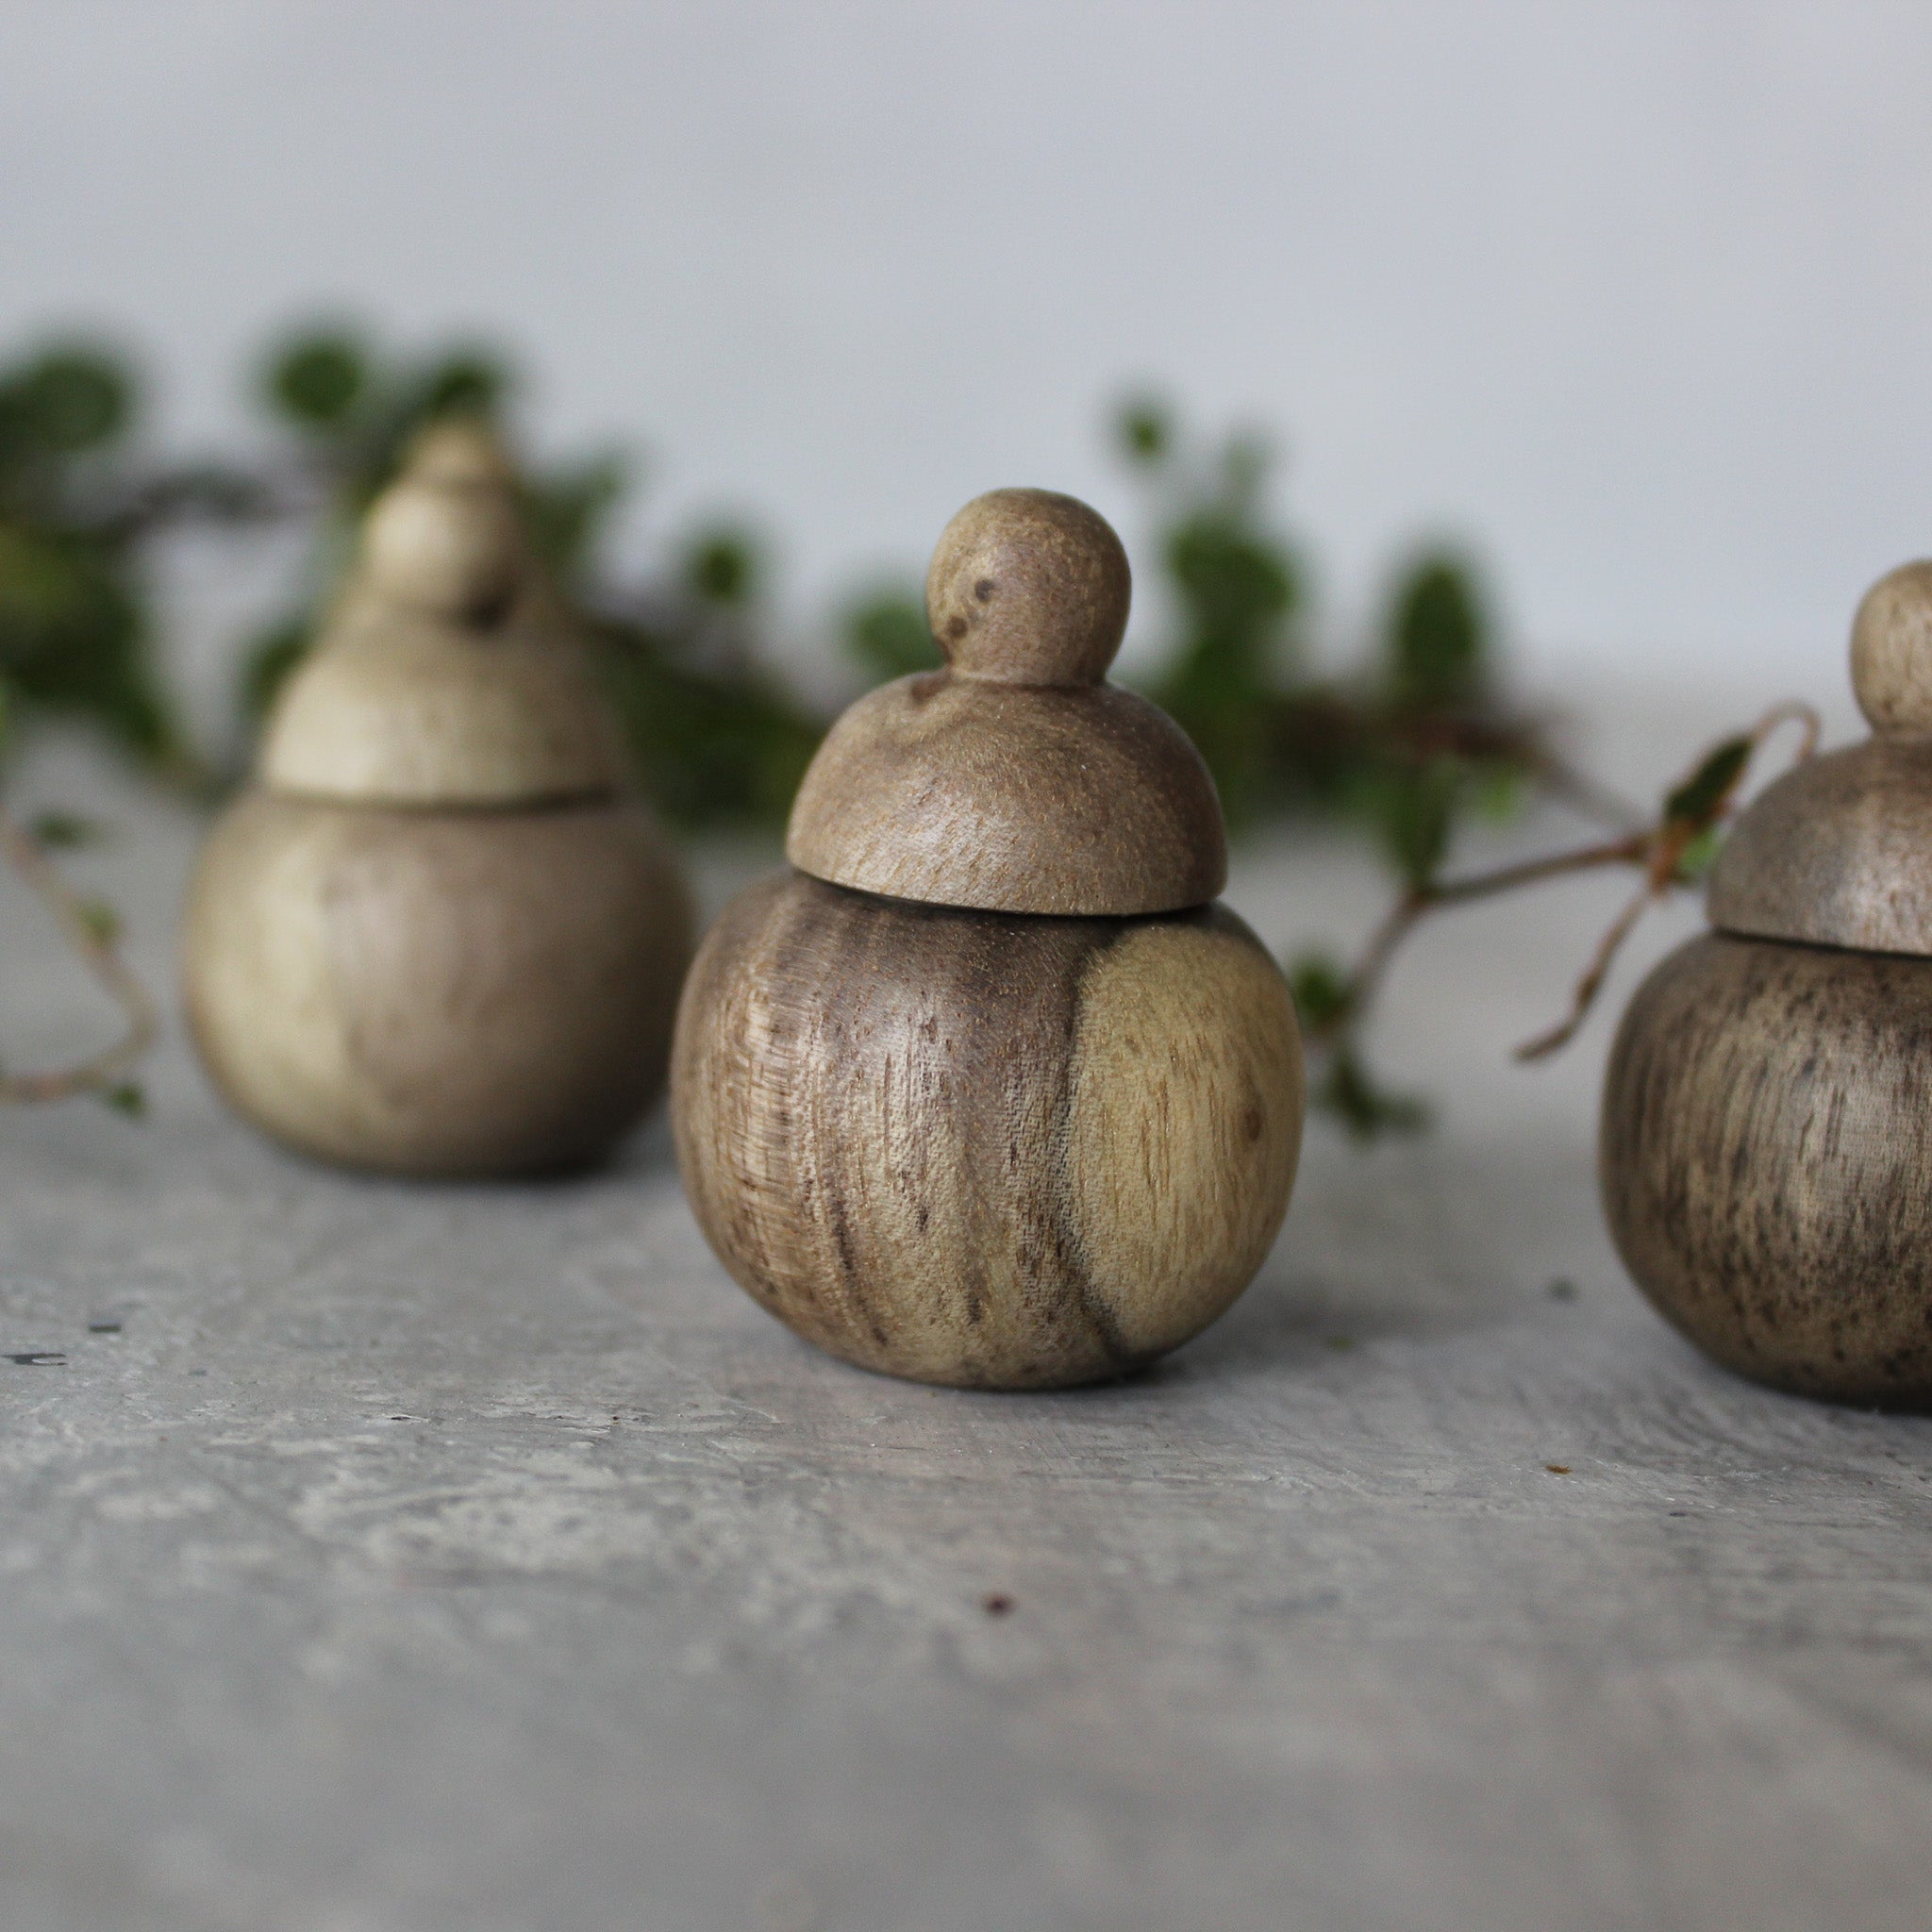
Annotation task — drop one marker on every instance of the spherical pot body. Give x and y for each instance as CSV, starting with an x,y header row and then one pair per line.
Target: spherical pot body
x,y
457,991
1766,1162
985,1149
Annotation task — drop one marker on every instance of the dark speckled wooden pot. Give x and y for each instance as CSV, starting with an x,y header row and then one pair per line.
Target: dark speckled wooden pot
x,y
1766,1162
990,1150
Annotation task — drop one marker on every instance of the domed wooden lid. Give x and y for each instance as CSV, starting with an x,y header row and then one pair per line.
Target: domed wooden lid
x,y
1838,852
1016,779
448,673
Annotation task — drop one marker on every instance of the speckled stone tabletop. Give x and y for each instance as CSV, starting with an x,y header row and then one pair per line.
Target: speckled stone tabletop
x,y
376,1558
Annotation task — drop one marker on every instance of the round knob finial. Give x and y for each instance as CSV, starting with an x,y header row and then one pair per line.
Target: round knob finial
x,y
445,537
1891,651
1029,587
459,450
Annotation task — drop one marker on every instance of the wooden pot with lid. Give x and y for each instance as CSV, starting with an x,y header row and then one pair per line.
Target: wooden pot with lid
x,y
986,1091
1766,1146
439,935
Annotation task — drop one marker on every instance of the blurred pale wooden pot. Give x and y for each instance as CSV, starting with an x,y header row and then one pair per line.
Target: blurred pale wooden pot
x,y
440,936
985,1091
1766,1146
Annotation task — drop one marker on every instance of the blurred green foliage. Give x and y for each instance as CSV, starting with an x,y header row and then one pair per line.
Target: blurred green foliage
x,y
1439,637
1408,742
1411,743
888,635
79,502
717,738
1237,588
345,417
1344,1086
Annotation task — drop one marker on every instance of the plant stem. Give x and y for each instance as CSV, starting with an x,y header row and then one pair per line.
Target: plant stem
x,y
1588,987
1658,849
1416,901
96,947
1631,850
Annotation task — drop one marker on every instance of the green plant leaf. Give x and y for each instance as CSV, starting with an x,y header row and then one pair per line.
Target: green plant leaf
x,y
568,509
1366,1110
721,566
1143,430
66,400
1416,813
464,382
1703,793
1438,637
74,644
889,635
102,921
64,831
267,662
317,380
1696,860
1321,992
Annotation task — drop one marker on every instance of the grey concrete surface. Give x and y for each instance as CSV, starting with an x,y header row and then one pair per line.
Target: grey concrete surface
x,y
389,1558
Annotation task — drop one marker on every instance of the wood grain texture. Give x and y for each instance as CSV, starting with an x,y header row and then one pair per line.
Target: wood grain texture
x,y
987,1151
1083,801
397,708
449,673
1016,780
1766,1162
447,537
437,992
491,1532
1029,587
1891,650
1837,853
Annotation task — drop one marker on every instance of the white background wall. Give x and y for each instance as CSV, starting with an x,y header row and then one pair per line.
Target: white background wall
x,y
1638,294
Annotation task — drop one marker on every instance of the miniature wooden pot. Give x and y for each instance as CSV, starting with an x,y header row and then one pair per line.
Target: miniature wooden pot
x,y
1767,1161
439,938
996,1100
436,991
998,1151
1765,1155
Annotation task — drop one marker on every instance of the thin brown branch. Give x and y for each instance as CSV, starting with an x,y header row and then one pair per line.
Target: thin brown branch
x,y
1791,711
1365,982
1659,848
1632,850
94,943
1592,982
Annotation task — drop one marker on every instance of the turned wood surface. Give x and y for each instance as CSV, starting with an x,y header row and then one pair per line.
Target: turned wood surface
x,y
447,535
437,992
1766,1162
448,672
1891,650
1016,780
1837,852
1029,587
984,1150
1075,800
439,1557
398,709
